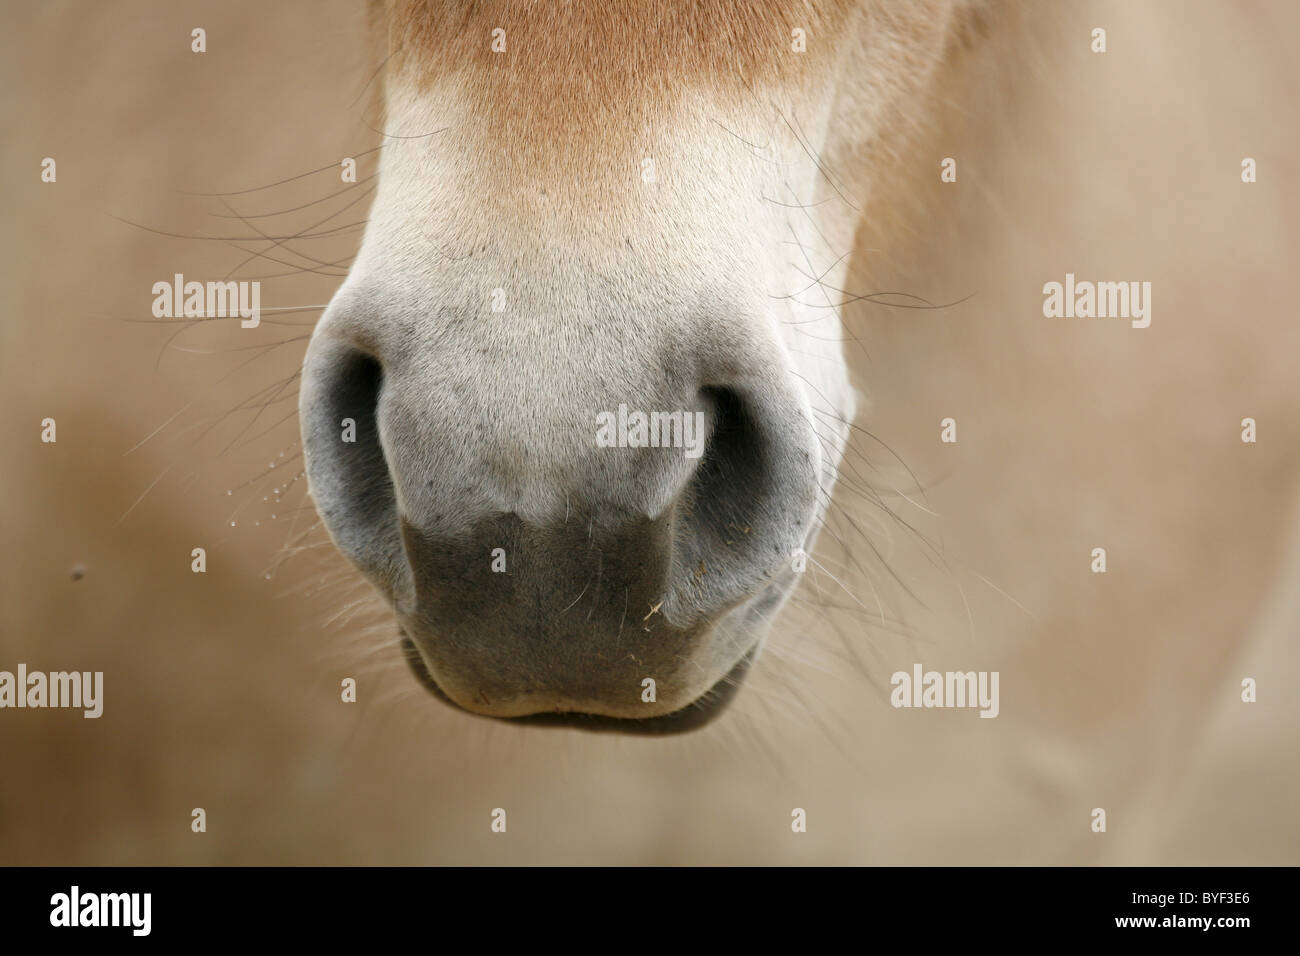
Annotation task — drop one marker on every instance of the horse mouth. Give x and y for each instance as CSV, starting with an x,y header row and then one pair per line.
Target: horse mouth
x,y
693,716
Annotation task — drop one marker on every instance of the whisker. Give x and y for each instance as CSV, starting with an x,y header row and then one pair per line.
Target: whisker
x,y
256,189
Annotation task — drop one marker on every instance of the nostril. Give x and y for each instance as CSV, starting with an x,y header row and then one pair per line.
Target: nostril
x,y
731,457
346,469
749,507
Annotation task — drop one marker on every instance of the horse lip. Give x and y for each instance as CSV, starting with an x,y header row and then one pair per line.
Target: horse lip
x,y
694,715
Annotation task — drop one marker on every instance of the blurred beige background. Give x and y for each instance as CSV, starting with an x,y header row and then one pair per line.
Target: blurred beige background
x,y
1117,691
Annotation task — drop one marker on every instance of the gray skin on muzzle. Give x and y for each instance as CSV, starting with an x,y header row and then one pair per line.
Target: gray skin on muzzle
x,y
534,574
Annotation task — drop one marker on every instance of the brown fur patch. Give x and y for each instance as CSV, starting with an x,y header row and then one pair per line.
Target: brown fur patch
x,y
654,44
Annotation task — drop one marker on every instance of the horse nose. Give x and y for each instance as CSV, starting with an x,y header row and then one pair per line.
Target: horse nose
x,y
551,553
